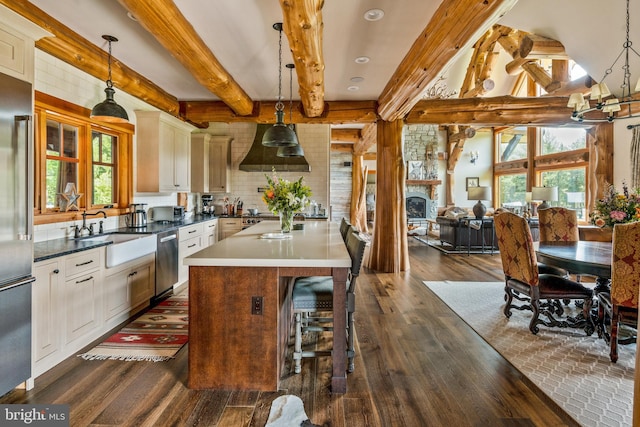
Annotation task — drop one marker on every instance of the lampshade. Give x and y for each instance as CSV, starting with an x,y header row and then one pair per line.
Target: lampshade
x,y
527,197
479,193
544,193
576,100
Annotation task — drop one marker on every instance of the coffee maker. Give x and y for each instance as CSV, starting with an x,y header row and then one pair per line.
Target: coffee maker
x,y
207,204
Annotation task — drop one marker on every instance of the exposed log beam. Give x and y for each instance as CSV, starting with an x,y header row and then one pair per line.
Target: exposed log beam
x,y
343,147
494,111
302,24
335,112
166,23
77,51
367,140
346,135
453,25
534,46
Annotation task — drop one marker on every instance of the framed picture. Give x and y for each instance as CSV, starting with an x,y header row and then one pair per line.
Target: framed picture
x,y
415,169
472,182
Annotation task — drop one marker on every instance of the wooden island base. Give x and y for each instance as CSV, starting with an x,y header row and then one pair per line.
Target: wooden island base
x,y
231,347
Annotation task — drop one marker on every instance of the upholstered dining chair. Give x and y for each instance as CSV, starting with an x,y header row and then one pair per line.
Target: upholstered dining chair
x,y
315,295
344,228
620,306
522,277
557,224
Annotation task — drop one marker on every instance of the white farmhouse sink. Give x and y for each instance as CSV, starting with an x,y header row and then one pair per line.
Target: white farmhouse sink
x,y
125,247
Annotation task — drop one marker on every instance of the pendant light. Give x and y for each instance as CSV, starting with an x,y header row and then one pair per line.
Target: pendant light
x,y
294,150
108,110
279,135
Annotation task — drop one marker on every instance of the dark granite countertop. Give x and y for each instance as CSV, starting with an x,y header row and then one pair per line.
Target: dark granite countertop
x,y
58,247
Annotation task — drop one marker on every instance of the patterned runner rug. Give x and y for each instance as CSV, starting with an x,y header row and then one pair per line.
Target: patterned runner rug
x,y
157,335
572,369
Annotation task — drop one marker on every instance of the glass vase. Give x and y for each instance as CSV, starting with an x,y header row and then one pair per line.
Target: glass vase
x,y
286,221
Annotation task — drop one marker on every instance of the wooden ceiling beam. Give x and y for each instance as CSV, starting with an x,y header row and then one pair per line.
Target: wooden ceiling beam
x,y
77,51
171,29
454,24
493,111
334,112
346,135
302,24
369,135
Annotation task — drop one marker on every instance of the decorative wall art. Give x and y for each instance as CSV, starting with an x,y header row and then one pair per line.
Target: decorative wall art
x,y
472,182
69,199
415,169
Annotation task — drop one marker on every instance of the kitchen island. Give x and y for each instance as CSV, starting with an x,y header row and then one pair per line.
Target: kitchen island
x,y
240,304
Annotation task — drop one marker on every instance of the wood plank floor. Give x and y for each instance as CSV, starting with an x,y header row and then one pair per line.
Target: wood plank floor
x,y
418,364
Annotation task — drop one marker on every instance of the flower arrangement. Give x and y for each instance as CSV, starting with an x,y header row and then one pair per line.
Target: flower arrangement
x,y
282,195
616,208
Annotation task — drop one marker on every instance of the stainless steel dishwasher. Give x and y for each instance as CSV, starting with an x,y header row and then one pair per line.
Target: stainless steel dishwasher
x,y
166,261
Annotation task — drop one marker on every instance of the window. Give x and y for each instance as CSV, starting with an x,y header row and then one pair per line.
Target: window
x,y
62,160
562,161
74,154
104,150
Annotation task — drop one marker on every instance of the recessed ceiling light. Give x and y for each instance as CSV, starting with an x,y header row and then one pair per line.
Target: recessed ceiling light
x,y
374,14
353,88
357,79
362,59
130,15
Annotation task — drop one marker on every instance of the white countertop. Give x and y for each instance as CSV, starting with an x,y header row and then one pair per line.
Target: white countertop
x,y
318,245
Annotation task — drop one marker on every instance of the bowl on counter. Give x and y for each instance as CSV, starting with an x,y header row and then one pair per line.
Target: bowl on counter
x,y
253,211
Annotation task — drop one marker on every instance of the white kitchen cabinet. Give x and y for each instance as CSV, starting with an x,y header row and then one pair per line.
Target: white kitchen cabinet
x,y
17,44
210,232
82,293
163,159
190,241
210,163
128,288
46,313
229,226
220,164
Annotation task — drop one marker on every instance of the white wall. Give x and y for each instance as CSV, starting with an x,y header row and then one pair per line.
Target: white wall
x,y
621,152
483,168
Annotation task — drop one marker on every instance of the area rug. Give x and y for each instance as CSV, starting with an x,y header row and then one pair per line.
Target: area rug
x,y
448,249
572,369
157,335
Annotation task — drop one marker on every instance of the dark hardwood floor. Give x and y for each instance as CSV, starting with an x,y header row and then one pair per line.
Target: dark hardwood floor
x,y
418,364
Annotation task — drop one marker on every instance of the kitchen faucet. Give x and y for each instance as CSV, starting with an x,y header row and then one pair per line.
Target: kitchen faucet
x,y
78,230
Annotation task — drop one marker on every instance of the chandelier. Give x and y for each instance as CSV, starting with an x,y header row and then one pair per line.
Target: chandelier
x,y
611,108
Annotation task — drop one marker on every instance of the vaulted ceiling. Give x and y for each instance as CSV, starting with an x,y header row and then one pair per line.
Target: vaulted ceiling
x,y
220,58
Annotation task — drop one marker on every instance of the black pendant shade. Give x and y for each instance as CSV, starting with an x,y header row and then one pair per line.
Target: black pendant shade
x,y
292,151
279,135
108,110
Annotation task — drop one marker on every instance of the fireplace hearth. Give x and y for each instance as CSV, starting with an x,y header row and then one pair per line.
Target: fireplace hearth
x,y
420,207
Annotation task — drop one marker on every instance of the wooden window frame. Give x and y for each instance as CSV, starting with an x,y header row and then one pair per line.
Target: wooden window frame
x,y
47,106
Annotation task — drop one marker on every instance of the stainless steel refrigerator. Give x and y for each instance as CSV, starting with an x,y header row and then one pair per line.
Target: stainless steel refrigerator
x,y
16,230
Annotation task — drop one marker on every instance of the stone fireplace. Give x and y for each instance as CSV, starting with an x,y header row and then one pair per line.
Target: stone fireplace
x,y
420,207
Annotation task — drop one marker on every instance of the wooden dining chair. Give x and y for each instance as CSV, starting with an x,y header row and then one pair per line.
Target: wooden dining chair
x,y
620,305
315,295
522,277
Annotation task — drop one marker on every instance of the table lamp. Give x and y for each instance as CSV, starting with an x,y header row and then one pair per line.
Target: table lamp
x,y
544,194
479,194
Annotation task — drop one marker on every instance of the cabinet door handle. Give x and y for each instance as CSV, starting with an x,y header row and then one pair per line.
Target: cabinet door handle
x,y
56,271
84,280
84,263
133,273
192,231
191,246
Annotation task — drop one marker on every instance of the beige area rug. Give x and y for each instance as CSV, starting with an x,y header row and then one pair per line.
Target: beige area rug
x,y
571,368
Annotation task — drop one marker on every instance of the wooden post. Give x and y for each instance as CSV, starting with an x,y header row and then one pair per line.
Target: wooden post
x,y
358,212
389,250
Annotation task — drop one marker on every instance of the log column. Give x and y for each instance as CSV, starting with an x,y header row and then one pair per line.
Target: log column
x,y
389,251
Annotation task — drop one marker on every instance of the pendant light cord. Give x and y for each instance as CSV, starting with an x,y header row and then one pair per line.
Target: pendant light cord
x,y
109,82
279,104
291,94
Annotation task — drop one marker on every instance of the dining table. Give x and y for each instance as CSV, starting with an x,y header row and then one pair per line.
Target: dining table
x,y
581,257
240,304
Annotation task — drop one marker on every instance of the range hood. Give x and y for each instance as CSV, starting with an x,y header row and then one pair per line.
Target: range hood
x,y
265,159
